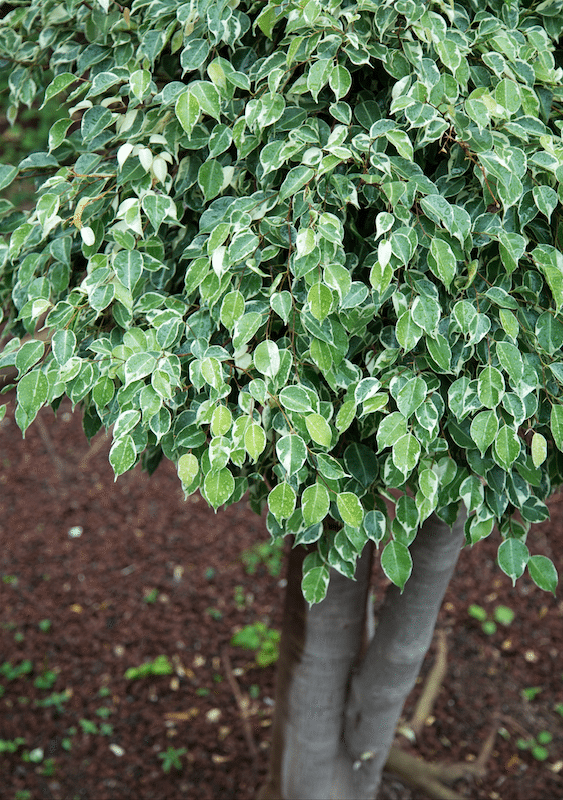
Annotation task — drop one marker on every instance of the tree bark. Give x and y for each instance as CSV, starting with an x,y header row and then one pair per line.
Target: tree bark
x,y
335,718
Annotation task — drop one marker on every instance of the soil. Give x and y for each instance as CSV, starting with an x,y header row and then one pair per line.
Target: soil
x,y
101,576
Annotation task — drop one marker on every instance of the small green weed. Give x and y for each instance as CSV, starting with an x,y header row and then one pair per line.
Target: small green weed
x,y
55,699
160,666
263,640
11,745
268,553
531,692
45,681
536,745
171,758
44,625
88,726
12,672
151,597
502,614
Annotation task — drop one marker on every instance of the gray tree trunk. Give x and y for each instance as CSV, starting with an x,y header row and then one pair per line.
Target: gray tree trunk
x,y
338,701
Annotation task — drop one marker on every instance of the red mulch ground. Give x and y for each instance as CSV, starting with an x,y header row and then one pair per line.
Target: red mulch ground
x,y
138,536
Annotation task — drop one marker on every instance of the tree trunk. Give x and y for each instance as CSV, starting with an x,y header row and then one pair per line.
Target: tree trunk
x,y
336,713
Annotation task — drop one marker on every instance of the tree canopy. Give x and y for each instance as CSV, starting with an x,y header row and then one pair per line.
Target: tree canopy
x,y
305,249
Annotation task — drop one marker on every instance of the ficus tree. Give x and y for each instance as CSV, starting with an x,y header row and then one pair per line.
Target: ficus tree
x,y
310,251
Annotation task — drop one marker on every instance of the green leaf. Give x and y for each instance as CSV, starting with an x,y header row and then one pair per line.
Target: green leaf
x,y
391,428
140,81
396,563
267,358
490,387
58,85
484,429
138,366
543,573
550,262
439,351
218,486
361,462
188,468
375,525
549,332
7,175
442,261
539,449
281,303
315,584
29,354
511,361
411,396
329,467
232,309
122,455
221,421
319,429
32,391
320,300
210,178
245,328
295,398
546,199
295,180
425,312
291,452
187,110
507,447
254,440
407,331
211,372
128,266
513,556
406,452
350,509
346,415
281,501
340,81
315,504
556,424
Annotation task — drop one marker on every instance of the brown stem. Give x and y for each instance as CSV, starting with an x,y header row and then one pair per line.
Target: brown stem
x,y
432,686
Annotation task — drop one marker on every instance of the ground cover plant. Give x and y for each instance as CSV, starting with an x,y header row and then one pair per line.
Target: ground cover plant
x,y
310,252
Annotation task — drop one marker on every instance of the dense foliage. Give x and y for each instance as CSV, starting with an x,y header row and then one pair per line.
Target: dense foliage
x,y
306,248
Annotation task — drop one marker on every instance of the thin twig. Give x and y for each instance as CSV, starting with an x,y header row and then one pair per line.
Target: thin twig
x,y
432,686
242,705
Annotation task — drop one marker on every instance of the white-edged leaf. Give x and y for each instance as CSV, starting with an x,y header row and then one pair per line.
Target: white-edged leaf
x,y
281,501
218,486
315,504
319,429
396,563
122,455
513,556
350,509
187,468
543,573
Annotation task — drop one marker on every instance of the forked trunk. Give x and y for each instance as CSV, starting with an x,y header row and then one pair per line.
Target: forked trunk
x,y
336,713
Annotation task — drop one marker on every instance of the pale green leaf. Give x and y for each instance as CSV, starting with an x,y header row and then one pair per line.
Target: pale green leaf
x,y
122,455
350,509
315,504
319,429
281,501
188,468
